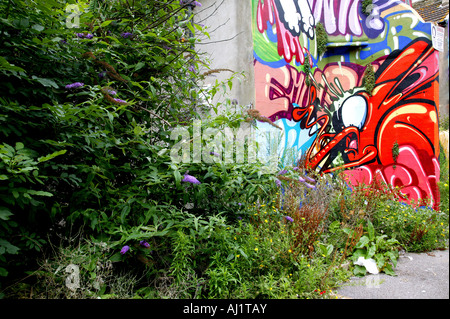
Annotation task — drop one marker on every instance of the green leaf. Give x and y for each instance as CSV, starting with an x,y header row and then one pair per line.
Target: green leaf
x,y
243,254
106,23
358,253
393,257
3,272
38,27
125,211
4,64
381,260
334,226
53,155
230,257
5,213
10,249
330,248
190,27
177,175
19,146
326,250
370,230
380,239
363,241
139,66
389,271
371,251
46,82
39,193
116,257
359,271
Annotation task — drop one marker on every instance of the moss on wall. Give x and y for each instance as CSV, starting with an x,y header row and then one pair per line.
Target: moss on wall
x,y
369,79
322,39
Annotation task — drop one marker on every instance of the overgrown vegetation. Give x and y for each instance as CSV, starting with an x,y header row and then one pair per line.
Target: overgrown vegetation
x,y
91,205
367,6
321,38
369,79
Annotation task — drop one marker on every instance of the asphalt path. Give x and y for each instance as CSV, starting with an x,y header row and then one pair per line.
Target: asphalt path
x,y
419,276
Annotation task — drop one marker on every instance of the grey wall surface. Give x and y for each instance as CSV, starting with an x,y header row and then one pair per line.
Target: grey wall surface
x,y
444,78
230,46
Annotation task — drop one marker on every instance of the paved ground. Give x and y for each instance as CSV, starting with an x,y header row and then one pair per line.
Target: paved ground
x,y
419,276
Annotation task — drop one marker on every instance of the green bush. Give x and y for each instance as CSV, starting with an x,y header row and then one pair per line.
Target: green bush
x,y
86,117
417,229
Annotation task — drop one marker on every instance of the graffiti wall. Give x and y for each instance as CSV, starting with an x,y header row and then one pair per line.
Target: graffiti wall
x,y
352,90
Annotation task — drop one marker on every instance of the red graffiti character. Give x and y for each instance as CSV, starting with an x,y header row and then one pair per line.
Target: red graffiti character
x,y
364,127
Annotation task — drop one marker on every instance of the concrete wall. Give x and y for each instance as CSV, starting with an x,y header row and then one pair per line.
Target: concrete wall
x,y
230,46
444,78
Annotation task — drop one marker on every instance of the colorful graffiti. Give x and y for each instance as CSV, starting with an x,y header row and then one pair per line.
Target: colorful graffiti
x,y
321,101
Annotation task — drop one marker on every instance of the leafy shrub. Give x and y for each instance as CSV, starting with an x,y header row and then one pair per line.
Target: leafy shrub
x,y
322,39
417,229
78,271
85,138
378,247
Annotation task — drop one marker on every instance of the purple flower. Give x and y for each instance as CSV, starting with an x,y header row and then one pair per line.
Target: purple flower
x,y
125,249
239,217
74,85
102,74
289,219
144,243
301,179
310,186
112,92
278,182
195,3
120,101
295,168
190,179
191,68
310,179
214,153
240,204
83,35
282,172
126,34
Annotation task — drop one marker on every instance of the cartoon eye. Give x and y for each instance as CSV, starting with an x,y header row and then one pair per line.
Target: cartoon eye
x,y
353,111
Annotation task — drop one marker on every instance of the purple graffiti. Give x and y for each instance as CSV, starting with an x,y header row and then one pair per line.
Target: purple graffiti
x,y
373,24
338,17
345,17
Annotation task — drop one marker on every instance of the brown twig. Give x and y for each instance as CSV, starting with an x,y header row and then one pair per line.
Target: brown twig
x,y
255,114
